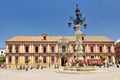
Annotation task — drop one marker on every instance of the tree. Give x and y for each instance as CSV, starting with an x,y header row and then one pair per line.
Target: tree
x,y
27,61
38,61
103,58
2,59
16,62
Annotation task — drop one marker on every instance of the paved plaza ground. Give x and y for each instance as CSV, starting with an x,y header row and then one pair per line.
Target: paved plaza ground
x,y
111,73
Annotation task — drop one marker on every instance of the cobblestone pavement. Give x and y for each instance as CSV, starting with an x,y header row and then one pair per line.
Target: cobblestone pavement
x,y
50,74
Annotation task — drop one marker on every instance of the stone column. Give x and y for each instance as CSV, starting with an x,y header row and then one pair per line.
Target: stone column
x,y
55,59
13,59
33,59
41,50
7,51
113,59
23,48
112,49
7,59
30,48
104,48
96,57
33,48
60,61
87,49
13,48
56,49
41,59
96,48
19,59
49,59
23,58
20,48
71,50
47,48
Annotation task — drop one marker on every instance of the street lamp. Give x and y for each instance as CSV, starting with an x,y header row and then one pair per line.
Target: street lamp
x,y
78,20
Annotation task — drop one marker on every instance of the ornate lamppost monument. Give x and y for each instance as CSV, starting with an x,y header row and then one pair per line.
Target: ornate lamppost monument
x,y
78,22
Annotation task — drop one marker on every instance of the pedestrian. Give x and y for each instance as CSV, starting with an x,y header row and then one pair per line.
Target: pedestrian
x,y
117,65
26,67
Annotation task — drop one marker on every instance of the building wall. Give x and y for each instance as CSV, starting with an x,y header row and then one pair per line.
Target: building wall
x,y
117,50
92,50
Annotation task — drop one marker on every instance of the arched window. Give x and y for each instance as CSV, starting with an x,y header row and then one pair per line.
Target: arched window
x,y
16,58
63,48
26,59
82,38
44,37
91,48
100,49
26,49
52,59
10,49
92,57
17,49
83,48
109,49
44,49
36,49
109,59
36,58
84,57
52,49
44,59
9,59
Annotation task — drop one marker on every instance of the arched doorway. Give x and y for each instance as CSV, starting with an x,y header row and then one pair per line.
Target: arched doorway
x,y
63,61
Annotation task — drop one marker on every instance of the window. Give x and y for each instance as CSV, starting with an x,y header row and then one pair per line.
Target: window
x,y
63,48
17,49
82,38
100,49
26,59
91,48
84,57
36,58
83,49
44,59
44,49
9,59
109,59
109,49
52,59
26,49
44,37
52,49
16,58
36,49
92,57
10,49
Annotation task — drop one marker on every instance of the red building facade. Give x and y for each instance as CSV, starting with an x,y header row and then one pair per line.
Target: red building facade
x,y
117,50
59,50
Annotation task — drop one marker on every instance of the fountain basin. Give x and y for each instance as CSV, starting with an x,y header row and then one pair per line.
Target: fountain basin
x,y
86,68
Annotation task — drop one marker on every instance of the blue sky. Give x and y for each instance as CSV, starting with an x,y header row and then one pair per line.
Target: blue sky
x,y
35,17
